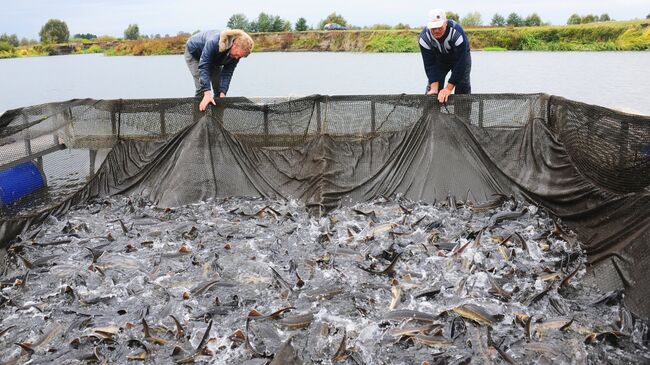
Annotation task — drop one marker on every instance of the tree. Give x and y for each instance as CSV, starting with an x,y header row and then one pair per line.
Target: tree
x,y
87,36
238,21
27,42
589,18
472,19
264,23
54,31
453,16
333,18
498,20
604,18
268,23
380,27
574,19
401,26
132,32
647,16
301,25
12,39
533,20
277,25
514,20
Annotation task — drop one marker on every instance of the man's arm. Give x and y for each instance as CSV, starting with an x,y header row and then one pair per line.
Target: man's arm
x,y
226,76
460,63
208,55
430,68
460,66
433,88
205,63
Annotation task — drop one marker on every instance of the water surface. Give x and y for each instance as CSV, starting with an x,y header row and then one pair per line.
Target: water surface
x,y
612,79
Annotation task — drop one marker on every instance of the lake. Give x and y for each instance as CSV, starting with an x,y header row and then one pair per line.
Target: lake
x,y
613,79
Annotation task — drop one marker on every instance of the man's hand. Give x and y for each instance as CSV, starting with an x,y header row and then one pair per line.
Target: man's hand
x,y
207,99
433,89
222,94
443,95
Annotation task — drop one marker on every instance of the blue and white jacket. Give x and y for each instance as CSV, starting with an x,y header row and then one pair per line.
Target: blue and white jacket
x,y
206,48
452,52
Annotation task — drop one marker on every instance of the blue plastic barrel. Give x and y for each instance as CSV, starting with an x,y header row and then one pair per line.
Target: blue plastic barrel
x,y
19,181
645,150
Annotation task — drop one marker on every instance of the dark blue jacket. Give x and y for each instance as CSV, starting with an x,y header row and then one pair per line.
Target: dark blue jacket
x,y
452,52
204,46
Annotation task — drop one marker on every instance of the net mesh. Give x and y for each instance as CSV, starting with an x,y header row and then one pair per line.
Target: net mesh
x,y
69,140
610,148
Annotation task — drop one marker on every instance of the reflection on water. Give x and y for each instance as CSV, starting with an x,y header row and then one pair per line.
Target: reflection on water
x,y
79,164
65,172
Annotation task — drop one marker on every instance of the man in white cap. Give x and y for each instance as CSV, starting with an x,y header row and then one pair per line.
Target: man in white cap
x,y
445,47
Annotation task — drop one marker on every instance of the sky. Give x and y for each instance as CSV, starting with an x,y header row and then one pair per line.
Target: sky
x,y
111,17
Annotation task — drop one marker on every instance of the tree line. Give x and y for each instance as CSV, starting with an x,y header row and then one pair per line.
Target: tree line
x,y
516,20
473,19
56,31
274,23
589,18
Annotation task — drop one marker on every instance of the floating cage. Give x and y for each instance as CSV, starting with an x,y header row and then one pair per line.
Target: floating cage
x,y
585,165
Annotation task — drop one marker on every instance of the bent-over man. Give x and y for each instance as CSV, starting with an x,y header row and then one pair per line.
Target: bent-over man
x,y
445,47
212,57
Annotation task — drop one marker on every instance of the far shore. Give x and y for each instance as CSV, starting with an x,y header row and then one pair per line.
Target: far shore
x,y
603,36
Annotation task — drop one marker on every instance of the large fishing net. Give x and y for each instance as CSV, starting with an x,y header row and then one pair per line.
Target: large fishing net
x,y
585,167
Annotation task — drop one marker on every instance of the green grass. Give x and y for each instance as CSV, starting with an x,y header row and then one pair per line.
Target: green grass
x,y
92,49
25,51
305,43
387,42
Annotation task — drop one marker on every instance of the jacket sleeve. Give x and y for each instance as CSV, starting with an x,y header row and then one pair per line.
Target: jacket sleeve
x,y
428,58
226,75
460,63
208,56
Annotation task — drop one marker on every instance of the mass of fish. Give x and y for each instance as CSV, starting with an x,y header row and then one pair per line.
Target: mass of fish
x,y
258,281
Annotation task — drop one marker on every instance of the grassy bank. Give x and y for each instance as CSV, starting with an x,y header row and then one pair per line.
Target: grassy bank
x,y
111,47
606,36
149,47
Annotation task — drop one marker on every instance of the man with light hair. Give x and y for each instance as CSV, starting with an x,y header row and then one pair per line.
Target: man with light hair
x,y
445,47
212,57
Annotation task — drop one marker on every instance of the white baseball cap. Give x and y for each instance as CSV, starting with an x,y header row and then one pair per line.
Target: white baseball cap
x,y
437,18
